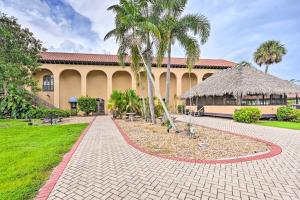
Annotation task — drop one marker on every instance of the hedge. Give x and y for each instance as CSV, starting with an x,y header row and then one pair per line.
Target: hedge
x,y
247,115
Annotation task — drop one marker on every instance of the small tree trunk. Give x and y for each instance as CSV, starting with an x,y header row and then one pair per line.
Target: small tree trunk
x,y
142,94
5,89
267,69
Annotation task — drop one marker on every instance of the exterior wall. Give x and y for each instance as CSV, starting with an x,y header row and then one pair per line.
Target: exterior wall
x,y
45,95
173,91
121,81
84,84
70,86
96,84
188,81
272,109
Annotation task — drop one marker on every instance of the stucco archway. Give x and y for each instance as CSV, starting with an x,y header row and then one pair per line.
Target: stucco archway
x,y
121,80
207,75
188,81
70,86
96,84
143,84
173,85
46,93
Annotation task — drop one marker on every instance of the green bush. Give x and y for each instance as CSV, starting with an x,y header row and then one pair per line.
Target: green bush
x,y
181,109
37,113
247,115
15,104
87,104
286,113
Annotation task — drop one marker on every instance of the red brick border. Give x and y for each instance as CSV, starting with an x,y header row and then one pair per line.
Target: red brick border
x,y
45,190
275,150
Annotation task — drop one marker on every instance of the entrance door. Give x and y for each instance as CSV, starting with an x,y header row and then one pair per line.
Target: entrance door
x,y
100,106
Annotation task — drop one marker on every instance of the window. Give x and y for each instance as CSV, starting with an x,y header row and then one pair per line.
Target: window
x,y
48,83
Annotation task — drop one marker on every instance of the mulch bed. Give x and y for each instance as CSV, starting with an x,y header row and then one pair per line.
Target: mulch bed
x,y
221,145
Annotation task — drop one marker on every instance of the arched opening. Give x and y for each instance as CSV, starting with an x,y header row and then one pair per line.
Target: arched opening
x,y
96,87
142,89
121,80
173,83
188,81
46,84
70,86
96,84
207,75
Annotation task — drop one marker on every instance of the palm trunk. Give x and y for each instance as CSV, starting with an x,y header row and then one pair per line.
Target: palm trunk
x,y
168,77
142,95
152,84
150,90
267,69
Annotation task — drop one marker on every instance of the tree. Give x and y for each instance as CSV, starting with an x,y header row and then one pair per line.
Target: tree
x,y
173,26
268,53
19,55
135,32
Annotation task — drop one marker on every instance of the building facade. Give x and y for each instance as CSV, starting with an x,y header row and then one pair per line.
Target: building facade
x,y
66,75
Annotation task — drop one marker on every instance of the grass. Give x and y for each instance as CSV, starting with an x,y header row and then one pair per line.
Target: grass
x,y
29,153
280,124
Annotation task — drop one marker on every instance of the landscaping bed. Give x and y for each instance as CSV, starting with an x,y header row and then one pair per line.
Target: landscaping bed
x,y
221,145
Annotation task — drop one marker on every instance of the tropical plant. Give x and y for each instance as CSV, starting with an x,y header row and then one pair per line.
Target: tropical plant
x,y
16,103
135,32
116,103
132,101
87,104
19,55
247,115
175,27
268,53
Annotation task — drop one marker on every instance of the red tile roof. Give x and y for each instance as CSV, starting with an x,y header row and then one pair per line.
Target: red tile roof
x,y
112,59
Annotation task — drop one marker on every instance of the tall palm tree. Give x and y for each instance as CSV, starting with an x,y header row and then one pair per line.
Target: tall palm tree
x,y
135,34
268,53
173,26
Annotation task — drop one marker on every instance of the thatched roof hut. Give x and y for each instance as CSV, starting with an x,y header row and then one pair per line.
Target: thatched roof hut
x,y
242,80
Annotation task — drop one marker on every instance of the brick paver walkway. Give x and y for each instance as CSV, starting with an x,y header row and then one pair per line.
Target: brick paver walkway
x,y
106,167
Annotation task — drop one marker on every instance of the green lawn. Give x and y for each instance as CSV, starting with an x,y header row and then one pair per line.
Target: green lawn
x,y
29,153
280,124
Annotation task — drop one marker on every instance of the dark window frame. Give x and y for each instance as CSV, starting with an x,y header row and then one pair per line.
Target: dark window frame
x,y
48,83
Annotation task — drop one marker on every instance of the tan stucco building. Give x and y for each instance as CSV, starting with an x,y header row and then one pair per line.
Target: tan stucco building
x,y
66,75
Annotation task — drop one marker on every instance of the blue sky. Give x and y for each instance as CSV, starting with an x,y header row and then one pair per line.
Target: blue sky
x,y
238,27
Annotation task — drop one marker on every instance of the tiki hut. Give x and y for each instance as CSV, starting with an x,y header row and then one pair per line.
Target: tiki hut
x,y
239,86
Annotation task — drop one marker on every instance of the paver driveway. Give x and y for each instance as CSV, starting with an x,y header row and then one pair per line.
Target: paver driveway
x,y
106,167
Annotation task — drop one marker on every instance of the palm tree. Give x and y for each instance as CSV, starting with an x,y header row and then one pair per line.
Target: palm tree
x,y
268,53
174,27
135,34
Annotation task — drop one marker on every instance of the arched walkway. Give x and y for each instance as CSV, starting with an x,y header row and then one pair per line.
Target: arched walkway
x,y
142,89
207,75
70,86
162,85
188,81
96,84
121,80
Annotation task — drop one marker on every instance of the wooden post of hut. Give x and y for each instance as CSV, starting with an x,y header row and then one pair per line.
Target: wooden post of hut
x,y
263,99
297,101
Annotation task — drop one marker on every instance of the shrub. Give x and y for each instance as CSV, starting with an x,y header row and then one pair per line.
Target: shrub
x,y
297,115
286,113
116,103
247,115
181,109
15,104
87,104
37,113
